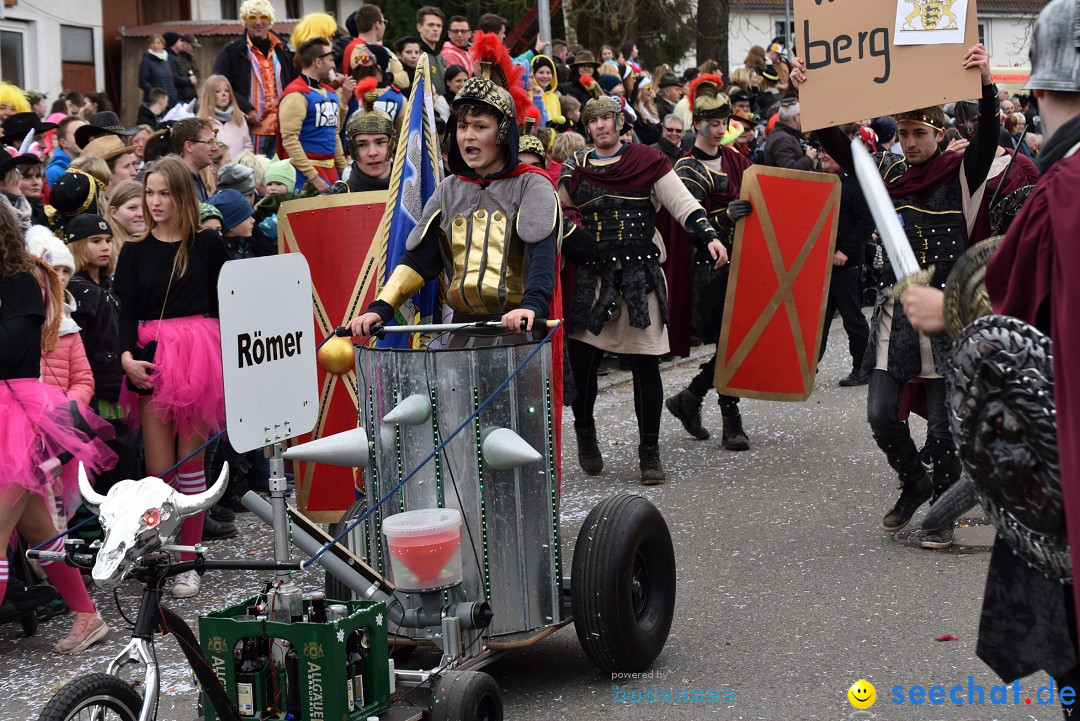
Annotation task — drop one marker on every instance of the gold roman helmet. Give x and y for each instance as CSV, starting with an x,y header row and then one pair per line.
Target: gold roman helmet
x,y
600,105
371,121
707,101
529,143
532,144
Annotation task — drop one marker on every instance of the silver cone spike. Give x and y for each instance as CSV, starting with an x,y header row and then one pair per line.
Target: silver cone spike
x,y
348,448
412,411
505,450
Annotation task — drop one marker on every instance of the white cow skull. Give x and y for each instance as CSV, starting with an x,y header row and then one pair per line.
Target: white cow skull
x,y
138,517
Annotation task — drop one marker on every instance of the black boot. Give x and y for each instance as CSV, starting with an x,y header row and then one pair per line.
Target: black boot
x,y
947,466
220,512
588,452
855,378
915,486
216,530
733,436
686,406
652,471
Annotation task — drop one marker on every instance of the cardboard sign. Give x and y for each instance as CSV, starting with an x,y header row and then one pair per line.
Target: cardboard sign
x,y
267,350
855,69
335,233
780,272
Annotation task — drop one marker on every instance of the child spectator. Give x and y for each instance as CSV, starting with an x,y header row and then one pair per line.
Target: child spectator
x,y
217,104
280,178
258,165
210,217
97,312
124,214
63,359
236,222
238,177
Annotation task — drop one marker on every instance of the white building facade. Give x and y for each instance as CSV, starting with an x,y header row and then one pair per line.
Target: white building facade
x,y
46,45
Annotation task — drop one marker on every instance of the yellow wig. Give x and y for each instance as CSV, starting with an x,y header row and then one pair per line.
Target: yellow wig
x,y
15,97
313,25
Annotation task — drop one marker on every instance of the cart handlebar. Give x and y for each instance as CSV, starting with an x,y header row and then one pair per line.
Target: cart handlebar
x,y
380,328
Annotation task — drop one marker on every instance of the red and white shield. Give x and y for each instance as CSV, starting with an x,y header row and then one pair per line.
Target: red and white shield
x,y
779,285
335,233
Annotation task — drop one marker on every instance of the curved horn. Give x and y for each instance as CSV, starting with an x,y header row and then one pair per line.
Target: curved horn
x,y
190,505
92,498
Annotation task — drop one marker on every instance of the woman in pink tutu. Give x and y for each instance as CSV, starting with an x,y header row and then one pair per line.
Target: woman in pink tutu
x,y
38,427
166,281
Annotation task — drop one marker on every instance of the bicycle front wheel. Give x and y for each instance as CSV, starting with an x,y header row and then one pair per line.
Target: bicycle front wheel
x,y
99,696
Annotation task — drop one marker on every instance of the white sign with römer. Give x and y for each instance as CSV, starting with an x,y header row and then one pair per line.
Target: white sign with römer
x,y
267,350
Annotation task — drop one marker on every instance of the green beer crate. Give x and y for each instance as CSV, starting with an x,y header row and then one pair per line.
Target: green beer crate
x,y
322,658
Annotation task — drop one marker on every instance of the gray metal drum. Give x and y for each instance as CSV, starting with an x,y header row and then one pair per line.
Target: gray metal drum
x,y
510,547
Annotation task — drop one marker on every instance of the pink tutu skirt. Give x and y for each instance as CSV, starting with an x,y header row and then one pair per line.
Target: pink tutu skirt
x,y
38,424
188,389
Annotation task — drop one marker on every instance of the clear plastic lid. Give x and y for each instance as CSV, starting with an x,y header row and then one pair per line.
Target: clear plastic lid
x,y
423,522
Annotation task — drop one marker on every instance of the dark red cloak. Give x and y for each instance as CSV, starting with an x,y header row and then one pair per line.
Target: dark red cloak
x,y
1033,277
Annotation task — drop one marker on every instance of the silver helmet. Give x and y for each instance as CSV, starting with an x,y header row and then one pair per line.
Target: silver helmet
x,y
1055,48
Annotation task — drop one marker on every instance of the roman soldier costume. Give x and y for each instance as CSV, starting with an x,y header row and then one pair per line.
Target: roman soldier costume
x,y
368,122
496,236
714,181
619,301
929,199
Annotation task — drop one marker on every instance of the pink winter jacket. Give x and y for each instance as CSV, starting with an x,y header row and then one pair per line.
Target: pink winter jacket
x,y
234,136
68,368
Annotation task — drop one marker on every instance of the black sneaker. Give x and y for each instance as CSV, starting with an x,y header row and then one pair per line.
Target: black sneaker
x,y
685,406
216,530
914,494
652,471
588,451
937,538
855,378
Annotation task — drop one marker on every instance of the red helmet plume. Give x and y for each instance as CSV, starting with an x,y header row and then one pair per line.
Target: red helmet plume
x,y
365,85
714,79
488,49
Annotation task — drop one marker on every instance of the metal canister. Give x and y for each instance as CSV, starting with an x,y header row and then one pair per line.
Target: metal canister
x,y
336,611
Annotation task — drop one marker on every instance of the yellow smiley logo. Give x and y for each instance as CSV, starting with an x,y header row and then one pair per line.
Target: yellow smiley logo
x,y
862,694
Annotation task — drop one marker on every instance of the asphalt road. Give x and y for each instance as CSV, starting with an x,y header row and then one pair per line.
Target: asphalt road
x,y
788,591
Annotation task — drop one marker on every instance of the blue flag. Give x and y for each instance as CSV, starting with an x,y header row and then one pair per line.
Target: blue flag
x,y
416,171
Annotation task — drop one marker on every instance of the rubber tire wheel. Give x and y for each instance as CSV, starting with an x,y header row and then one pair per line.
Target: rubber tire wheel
x,y
466,696
94,691
622,588
335,589
29,623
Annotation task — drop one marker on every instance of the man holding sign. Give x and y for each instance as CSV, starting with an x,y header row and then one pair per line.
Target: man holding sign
x,y
929,189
